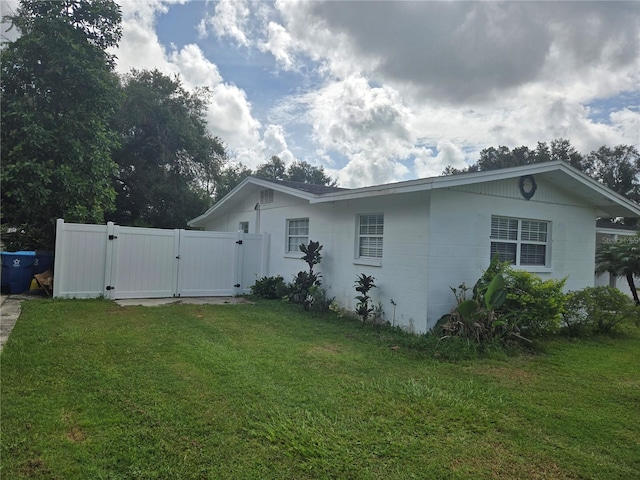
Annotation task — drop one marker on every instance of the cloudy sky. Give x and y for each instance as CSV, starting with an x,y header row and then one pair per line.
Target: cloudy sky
x,y
386,91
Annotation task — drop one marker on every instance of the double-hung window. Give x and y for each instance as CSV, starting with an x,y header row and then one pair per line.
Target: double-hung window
x,y
297,234
520,241
370,235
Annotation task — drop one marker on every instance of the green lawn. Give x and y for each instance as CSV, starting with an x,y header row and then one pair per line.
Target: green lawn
x,y
91,390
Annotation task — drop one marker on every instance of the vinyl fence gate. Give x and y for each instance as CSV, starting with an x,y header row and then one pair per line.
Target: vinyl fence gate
x,y
131,262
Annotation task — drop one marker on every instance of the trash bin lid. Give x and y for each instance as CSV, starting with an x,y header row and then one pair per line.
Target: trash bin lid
x,y
21,253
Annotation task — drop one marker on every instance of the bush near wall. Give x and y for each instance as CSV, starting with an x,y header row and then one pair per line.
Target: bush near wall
x,y
270,287
533,306
598,310
536,304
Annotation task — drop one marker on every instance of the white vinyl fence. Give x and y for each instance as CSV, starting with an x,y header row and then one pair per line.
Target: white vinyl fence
x,y
131,262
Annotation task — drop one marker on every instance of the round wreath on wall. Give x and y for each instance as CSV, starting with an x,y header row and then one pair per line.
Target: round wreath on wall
x,y
528,186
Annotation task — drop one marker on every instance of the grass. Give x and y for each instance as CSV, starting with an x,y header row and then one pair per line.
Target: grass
x,y
94,390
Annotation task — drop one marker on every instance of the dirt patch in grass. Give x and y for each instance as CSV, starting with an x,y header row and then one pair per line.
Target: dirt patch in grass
x,y
35,467
76,435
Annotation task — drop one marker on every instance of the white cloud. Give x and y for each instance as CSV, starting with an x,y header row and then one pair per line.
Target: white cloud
x,y
427,165
194,68
275,143
229,20
229,113
279,45
627,124
367,125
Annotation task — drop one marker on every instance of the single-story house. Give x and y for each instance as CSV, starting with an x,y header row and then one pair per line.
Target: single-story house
x,y
420,237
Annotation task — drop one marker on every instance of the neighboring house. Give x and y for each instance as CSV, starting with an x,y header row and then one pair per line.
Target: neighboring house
x,y
608,231
420,237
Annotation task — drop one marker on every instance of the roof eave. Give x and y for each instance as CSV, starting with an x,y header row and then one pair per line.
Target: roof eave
x,y
200,220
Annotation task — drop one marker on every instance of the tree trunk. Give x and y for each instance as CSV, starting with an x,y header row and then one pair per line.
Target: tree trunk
x,y
632,287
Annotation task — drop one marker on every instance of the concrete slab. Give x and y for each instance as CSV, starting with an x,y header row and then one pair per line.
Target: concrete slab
x,y
156,302
9,313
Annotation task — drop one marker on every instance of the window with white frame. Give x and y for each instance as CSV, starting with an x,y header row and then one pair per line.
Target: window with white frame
x,y
243,227
520,241
370,235
297,234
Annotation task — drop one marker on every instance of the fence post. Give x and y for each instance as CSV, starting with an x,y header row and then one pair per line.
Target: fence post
x,y
238,263
264,260
110,257
58,261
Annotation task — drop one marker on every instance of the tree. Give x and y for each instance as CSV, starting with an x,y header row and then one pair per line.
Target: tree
x,y
621,259
58,96
618,168
229,178
303,172
167,161
274,169
298,171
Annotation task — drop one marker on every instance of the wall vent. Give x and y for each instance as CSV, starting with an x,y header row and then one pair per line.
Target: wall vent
x,y
266,196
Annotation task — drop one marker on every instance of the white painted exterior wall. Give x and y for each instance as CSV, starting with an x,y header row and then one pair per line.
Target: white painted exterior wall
x,y
460,237
433,239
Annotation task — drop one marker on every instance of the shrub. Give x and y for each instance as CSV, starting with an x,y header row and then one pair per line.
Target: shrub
x,y
364,283
319,300
478,319
536,304
304,281
270,287
598,310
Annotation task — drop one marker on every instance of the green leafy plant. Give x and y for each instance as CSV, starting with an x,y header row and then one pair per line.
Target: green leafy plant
x,y
270,287
320,302
304,281
597,310
536,304
533,306
363,285
477,319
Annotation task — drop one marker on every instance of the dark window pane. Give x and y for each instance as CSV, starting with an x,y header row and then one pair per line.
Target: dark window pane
x,y
506,251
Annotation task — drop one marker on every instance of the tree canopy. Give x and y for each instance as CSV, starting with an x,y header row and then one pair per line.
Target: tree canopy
x,y
167,160
59,94
618,168
298,171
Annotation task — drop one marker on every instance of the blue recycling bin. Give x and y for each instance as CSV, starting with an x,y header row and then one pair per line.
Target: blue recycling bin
x,y
43,262
17,271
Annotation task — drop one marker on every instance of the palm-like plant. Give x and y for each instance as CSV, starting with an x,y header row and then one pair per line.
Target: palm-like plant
x,y
621,259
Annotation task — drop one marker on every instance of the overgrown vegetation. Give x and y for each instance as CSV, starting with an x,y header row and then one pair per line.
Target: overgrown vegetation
x,y
270,287
94,390
509,306
598,310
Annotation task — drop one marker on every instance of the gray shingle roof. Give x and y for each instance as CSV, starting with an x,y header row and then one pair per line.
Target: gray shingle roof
x,y
306,187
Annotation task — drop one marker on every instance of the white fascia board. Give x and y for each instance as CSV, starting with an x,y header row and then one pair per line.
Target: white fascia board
x,y
461,179
218,206
600,189
615,231
445,181
282,188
